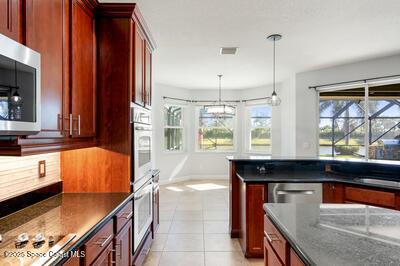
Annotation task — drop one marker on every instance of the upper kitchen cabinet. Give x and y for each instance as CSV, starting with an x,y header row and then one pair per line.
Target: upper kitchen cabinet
x,y
11,19
139,89
83,70
44,34
147,75
63,32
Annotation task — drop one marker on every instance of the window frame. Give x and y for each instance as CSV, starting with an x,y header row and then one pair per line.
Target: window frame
x,y
248,128
197,128
183,150
366,86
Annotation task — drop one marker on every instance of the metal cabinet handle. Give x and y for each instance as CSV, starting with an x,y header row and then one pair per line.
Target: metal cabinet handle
x,y
103,243
127,215
271,237
70,124
288,192
79,125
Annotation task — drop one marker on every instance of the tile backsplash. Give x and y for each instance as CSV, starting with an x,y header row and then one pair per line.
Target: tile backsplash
x,y
19,175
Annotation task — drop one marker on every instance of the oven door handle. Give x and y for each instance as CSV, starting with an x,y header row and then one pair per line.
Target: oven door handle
x,y
144,191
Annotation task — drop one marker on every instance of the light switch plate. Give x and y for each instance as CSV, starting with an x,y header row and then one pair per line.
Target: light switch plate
x,y
42,168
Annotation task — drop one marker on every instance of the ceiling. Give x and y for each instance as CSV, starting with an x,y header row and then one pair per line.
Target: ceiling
x,y
315,33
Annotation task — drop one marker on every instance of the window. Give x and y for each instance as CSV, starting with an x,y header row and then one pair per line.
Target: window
x,y
173,128
343,126
258,135
215,133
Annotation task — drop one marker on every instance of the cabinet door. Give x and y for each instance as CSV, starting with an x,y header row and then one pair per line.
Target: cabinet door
x,y
83,92
105,258
123,246
148,76
295,259
255,198
138,93
11,19
333,193
270,258
44,34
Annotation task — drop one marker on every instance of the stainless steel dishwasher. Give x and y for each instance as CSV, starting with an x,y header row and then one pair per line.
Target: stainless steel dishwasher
x,y
295,193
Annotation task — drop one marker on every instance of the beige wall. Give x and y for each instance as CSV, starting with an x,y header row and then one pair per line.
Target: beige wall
x,y
19,175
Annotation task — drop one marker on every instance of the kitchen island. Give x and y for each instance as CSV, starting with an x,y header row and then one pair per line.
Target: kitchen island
x,y
331,234
342,181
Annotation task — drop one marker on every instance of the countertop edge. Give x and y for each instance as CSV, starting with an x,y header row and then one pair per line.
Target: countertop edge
x,y
318,180
304,257
80,241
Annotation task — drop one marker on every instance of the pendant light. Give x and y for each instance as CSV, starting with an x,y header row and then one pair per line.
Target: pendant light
x,y
220,108
274,100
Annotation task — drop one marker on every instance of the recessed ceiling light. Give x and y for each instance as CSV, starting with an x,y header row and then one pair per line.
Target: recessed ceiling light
x,y
228,50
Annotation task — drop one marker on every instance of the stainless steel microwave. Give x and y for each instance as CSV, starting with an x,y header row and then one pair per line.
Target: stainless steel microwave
x,y
19,89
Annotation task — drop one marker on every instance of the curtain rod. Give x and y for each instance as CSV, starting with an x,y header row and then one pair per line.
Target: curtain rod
x,y
207,101
353,81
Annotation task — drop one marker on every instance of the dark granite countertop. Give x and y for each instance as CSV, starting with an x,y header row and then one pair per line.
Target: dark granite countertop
x,y
257,158
78,213
339,234
309,177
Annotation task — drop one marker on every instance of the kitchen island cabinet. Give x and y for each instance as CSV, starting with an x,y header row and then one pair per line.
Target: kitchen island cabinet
x,y
248,190
325,234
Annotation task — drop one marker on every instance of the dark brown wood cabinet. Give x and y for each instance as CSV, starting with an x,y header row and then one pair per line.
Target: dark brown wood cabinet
x,y
83,70
346,193
11,19
148,75
333,193
45,34
277,250
139,43
295,259
252,197
123,246
105,258
63,32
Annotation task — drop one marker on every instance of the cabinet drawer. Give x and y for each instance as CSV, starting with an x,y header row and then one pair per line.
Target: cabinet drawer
x,y
276,240
98,242
123,216
368,196
295,259
270,258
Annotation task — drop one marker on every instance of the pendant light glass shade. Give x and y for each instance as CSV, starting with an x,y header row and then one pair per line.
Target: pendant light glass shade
x,y
220,108
274,100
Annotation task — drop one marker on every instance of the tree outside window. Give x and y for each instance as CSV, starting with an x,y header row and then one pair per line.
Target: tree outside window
x,y
173,128
215,133
259,129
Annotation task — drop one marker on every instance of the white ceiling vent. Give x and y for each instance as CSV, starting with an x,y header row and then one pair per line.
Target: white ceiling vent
x,y
228,50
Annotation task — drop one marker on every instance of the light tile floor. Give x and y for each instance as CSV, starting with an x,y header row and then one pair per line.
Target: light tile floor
x,y
194,227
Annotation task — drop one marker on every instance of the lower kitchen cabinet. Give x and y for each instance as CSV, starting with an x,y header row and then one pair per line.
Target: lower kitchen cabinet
x,y
252,197
295,259
123,246
277,251
105,258
72,261
270,257
343,193
333,193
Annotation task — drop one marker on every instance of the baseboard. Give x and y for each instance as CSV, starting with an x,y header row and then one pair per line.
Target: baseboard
x,y
193,177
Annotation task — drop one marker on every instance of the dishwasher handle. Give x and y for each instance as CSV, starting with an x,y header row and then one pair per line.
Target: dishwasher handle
x,y
295,192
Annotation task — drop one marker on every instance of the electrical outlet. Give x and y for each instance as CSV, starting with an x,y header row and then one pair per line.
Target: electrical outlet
x,y
42,168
